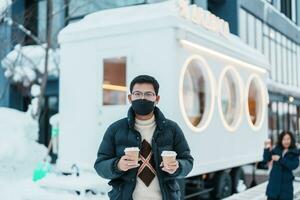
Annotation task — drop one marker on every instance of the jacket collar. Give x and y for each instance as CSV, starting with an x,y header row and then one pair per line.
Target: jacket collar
x,y
159,118
279,150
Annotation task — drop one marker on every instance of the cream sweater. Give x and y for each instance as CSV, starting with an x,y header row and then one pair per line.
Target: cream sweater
x,y
141,191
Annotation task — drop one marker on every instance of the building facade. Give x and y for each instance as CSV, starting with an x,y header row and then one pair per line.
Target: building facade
x,y
269,26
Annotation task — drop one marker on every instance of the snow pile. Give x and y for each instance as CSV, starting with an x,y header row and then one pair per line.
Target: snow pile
x,y
19,151
4,4
25,64
28,190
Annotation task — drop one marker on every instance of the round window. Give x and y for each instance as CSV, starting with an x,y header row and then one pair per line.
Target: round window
x,y
255,102
230,98
196,93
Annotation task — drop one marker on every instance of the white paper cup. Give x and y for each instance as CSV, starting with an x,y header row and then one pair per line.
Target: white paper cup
x,y
168,156
133,152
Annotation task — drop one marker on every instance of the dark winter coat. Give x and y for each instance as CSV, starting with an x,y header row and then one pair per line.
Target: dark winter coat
x,y
121,134
281,177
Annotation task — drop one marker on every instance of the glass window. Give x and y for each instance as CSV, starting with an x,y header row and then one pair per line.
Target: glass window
x,y
259,35
273,60
197,94
298,124
294,10
251,30
114,81
273,121
243,27
280,117
289,63
229,98
293,118
286,8
285,116
255,101
284,58
294,64
266,42
279,58
298,65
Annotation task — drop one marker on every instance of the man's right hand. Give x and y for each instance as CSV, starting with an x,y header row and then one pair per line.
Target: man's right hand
x,y
127,162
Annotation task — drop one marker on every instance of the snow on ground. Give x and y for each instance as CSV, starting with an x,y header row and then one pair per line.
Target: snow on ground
x,y
19,151
25,189
19,156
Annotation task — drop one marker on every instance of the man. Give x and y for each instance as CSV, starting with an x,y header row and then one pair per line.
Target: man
x,y
147,128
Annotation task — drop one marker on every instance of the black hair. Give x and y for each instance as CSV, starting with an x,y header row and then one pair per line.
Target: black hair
x,y
145,79
293,141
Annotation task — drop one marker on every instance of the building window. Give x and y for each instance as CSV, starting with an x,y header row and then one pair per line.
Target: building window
x,y
294,64
196,93
293,126
289,9
298,64
279,65
243,25
259,35
298,124
273,59
284,60
230,98
286,8
283,116
114,81
251,30
273,121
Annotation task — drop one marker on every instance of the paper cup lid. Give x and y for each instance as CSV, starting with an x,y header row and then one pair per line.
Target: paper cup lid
x,y
132,149
168,153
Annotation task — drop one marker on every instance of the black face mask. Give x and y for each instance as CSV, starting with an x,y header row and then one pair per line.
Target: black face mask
x,y
143,106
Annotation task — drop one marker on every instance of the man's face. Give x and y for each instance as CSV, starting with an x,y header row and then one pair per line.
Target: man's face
x,y
143,91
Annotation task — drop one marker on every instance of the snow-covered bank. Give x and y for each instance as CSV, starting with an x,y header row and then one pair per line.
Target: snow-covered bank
x,y
20,154
25,189
19,150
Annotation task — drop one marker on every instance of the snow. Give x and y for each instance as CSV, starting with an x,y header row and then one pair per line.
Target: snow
x,y
4,4
35,90
54,120
28,190
23,63
19,156
18,136
33,107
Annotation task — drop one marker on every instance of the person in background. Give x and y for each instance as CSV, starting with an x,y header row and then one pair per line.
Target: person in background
x,y
284,158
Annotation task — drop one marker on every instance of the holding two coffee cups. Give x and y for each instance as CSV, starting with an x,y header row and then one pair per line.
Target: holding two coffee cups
x,y
169,162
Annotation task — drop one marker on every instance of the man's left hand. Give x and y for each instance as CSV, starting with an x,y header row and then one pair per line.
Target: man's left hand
x,y
170,167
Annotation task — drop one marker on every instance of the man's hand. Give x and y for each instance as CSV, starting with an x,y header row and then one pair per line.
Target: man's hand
x,y
127,162
275,157
170,167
